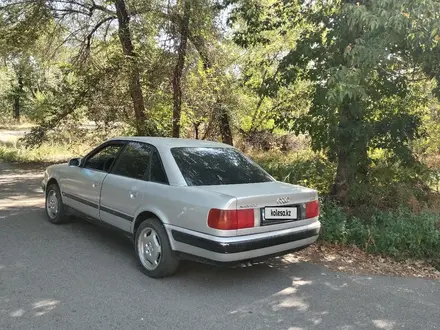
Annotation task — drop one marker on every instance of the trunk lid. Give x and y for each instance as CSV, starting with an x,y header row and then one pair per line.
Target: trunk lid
x,y
265,193
273,196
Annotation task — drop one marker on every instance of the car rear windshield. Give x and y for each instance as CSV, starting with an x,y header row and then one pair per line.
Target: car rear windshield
x,y
217,166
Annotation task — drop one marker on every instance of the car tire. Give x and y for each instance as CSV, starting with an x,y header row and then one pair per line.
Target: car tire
x,y
153,249
55,209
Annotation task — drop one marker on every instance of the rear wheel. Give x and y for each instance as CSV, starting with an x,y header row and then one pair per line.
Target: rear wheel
x,y
153,249
55,209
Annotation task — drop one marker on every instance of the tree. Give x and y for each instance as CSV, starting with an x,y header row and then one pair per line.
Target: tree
x,y
84,20
204,37
134,76
16,45
359,59
177,76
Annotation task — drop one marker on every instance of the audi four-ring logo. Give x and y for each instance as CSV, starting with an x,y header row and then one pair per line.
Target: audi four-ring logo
x,y
283,200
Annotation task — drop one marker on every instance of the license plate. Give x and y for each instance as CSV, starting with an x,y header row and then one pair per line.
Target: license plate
x,y
280,213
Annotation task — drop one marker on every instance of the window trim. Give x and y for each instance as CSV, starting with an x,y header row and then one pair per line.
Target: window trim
x,y
272,179
125,176
99,149
146,176
161,165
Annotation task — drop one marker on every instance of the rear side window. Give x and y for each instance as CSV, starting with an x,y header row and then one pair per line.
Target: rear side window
x,y
157,171
133,161
217,166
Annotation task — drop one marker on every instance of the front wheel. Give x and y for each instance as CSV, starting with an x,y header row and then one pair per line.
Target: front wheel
x,y
154,251
55,209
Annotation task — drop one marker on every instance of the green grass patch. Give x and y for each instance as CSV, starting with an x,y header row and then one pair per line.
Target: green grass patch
x,y
399,233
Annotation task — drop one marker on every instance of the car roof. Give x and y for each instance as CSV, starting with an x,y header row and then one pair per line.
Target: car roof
x,y
172,142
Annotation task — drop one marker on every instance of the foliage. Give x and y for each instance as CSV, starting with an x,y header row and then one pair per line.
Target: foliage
x,y
303,168
399,233
362,93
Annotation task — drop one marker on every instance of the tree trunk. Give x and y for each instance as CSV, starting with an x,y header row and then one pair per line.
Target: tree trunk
x,y
223,115
17,96
352,154
225,127
196,130
339,191
177,77
134,83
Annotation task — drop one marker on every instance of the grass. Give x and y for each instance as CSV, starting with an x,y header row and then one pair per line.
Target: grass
x,y
12,125
13,151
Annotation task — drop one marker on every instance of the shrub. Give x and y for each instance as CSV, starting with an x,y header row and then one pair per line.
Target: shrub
x,y
303,168
399,233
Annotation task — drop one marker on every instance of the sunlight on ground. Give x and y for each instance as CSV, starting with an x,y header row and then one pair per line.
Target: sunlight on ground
x,y
17,313
45,306
12,202
336,287
384,324
39,308
284,299
22,200
299,282
291,301
12,175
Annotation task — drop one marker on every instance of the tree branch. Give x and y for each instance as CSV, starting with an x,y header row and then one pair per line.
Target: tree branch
x,y
95,28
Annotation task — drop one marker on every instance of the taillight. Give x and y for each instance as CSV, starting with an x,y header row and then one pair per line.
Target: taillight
x,y
230,219
312,209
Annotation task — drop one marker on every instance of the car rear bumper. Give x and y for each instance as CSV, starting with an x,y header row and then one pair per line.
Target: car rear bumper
x,y
242,248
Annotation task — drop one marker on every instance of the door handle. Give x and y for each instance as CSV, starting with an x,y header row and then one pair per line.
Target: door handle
x,y
133,194
95,184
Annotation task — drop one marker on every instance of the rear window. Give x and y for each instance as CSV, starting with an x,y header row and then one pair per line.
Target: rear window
x,y
217,166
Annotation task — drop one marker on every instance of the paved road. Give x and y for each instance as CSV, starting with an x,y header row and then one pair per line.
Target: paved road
x,y
77,276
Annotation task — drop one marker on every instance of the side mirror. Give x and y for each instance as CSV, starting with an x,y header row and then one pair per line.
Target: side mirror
x,y
75,162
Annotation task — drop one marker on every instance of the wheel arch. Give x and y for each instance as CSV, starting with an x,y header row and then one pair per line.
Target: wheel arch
x,y
52,181
145,214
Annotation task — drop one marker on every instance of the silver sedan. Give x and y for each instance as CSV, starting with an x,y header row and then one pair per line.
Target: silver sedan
x,y
183,199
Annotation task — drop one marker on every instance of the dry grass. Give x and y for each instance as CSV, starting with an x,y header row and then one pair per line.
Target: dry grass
x,y
352,260
12,150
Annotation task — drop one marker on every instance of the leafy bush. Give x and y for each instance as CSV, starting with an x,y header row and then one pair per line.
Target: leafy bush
x,y
303,168
399,233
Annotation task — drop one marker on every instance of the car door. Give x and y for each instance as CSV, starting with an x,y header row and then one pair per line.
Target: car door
x,y
122,189
82,187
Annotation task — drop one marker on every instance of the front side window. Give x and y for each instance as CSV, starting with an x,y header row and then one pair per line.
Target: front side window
x,y
104,158
134,161
217,166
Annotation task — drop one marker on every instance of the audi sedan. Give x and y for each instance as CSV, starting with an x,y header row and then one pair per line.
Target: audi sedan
x,y
184,199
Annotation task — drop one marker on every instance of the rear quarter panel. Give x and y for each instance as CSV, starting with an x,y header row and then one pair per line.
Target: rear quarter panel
x,y
184,207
